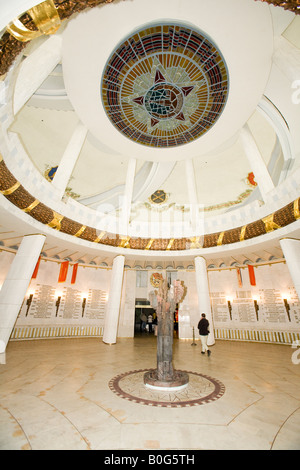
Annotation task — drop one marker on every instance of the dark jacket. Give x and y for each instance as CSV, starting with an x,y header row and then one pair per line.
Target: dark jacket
x,y
203,327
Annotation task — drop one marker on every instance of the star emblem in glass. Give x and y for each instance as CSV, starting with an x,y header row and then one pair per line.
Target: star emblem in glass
x,y
165,86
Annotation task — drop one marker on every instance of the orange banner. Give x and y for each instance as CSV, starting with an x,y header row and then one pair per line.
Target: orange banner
x,y
251,275
34,275
239,276
74,273
63,271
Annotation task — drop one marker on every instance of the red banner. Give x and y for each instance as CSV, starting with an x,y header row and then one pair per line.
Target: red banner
x,y
239,276
251,275
63,271
74,273
34,275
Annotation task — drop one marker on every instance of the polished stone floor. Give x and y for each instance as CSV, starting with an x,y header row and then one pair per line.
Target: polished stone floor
x,y
67,394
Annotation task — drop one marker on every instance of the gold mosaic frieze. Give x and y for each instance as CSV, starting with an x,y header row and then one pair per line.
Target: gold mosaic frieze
x,y
45,215
232,236
45,18
293,5
14,192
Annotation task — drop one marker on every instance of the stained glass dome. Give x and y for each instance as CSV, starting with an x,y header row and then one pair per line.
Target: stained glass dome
x,y
165,85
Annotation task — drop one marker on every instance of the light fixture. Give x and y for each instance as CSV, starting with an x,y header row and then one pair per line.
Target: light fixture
x,y
287,308
83,305
256,307
229,299
57,304
28,303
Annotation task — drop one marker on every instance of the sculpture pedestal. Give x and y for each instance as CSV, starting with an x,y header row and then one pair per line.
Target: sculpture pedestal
x,y
179,380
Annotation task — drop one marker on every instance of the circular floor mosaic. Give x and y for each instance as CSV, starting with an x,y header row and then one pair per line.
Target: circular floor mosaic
x,y
165,85
201,389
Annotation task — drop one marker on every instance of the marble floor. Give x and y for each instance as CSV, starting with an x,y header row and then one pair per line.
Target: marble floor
x,y
82,394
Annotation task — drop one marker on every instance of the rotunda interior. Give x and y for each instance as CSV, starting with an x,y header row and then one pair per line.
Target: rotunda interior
x,y
142,141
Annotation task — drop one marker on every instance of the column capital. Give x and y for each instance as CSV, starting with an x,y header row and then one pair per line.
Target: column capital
x,y
119,257
199,259
34,235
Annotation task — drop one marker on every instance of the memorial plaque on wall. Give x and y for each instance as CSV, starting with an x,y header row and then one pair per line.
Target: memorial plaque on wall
x,y
278,305
96,302
245,311
275,310
245,307
294,305
219,307
43,303
271,306
242,307
71,303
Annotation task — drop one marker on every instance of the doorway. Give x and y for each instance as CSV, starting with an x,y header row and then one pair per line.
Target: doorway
x,y
145,318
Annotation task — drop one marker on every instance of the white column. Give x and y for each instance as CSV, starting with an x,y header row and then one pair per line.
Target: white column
x,y
69,159
257,164
35,69
114,301
291,251
16,284
127,197
203,295
192,191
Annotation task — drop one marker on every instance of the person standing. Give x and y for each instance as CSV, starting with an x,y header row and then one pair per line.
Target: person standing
x,y
143,321
203,326
150,319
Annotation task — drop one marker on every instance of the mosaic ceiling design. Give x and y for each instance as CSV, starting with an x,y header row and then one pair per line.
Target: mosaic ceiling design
x,y
165,86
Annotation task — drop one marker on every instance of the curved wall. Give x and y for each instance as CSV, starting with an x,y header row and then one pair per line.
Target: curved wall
x,y
288,214
41,317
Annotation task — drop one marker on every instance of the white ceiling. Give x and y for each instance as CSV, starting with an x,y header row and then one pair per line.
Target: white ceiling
x,y
243,30
86,49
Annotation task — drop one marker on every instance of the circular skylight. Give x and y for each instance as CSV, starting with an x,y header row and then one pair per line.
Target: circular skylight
x,y
165,86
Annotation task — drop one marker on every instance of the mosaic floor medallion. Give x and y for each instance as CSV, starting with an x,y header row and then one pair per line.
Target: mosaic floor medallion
x,y
201,389
165,85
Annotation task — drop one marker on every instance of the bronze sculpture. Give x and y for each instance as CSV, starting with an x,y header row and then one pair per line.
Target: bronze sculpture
x,y
164,301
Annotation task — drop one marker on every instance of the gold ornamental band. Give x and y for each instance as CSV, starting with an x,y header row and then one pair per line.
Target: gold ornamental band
x,y
45,18
12,189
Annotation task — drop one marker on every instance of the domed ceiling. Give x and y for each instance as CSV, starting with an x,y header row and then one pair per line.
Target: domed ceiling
x,y
164,86
189,55
166,89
